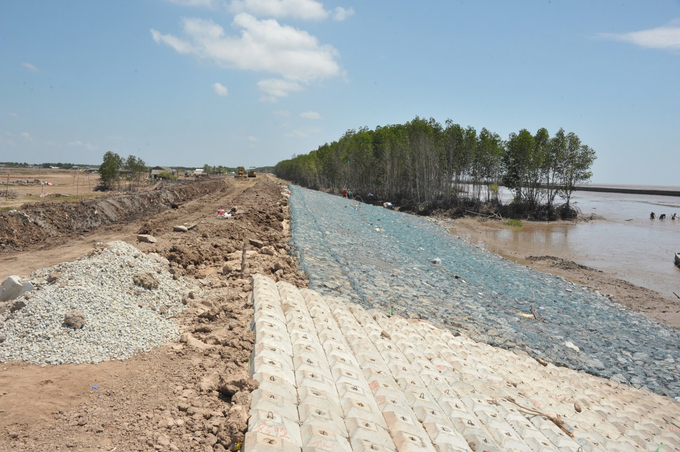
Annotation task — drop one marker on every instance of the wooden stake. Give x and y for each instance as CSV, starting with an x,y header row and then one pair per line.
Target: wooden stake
x,y
243,260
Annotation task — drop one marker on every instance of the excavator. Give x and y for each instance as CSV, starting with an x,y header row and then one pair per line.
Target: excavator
x,y
241,172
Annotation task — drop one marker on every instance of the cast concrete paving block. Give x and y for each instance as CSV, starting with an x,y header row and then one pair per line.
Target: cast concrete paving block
x,y
394,404
273,342
271,347
479,439
431,415
363,445
332,337
272,354
338,358
259,442
304,337
268,315
315,380
276,385
356,391
269,401
362,410
334,343
318,398
366,430
409,380
323,416
406,442
319,438
273,367
442,434
397,422
273,424
309,347
311,363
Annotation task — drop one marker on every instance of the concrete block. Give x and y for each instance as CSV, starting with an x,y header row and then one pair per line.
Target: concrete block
x,y
415,394
362,410
276,385
338,358
334,343
358,391
347,374
323,416
268,401
478,439
311,363
322,399
406,380
397,422
259,442
393,404
307,347
406,442
320,438
273,424
273,342
269,314
271,354
303,337
315,380
442,434
275,368
363,445
369,431
13,287
383,387
431,415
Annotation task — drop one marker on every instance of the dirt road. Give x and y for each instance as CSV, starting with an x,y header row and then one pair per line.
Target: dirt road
x,y
192,395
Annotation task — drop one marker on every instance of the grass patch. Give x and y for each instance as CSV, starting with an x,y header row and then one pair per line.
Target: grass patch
x,y
8,208
514,223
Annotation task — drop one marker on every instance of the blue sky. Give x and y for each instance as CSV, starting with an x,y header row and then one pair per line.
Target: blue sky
x,y
251,82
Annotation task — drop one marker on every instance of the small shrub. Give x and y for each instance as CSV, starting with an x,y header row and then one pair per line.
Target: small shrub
x,y
514,223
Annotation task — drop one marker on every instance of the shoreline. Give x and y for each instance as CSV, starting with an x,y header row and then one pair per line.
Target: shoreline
x,y
565,264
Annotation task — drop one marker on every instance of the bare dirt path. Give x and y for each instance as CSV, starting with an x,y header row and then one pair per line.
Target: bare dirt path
x,y
187,395
560,262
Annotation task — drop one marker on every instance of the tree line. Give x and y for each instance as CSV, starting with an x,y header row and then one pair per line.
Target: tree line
x,y
424,165
114,168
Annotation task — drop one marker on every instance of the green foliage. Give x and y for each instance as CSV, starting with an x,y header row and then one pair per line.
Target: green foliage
x,y
109,170
514,223
166,175
422,163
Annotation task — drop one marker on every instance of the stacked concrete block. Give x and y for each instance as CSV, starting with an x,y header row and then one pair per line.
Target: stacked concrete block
x,y
336,377
274,422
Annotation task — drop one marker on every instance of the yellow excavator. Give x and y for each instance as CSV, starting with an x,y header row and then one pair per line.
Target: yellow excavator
x,y
241,172
251,172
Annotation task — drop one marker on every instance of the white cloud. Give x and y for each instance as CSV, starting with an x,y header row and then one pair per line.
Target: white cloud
x,y
26,136
220,89
273,88
665,37
251,138
300,9
12,114
342,13
310,115
87,146
263,45
302,133
30,67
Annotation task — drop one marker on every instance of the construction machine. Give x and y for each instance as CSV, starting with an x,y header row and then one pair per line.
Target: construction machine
x,y
251,172
241,172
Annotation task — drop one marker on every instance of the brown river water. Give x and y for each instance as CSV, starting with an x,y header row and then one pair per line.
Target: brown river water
x,y
623,240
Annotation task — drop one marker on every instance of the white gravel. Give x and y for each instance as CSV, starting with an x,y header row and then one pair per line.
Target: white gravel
x,y
121,318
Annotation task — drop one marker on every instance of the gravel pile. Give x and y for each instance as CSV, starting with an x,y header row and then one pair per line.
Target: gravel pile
x,y
121,318
406,264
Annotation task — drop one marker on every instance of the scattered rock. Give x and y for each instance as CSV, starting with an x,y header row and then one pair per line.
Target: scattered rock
x,y
74,319
577,407
180,228
54,277
146,280
3,338
17,305
146,238
13,287
256,243
268,250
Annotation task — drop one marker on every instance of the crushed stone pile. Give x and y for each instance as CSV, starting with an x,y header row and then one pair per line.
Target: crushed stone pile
x,y
111,304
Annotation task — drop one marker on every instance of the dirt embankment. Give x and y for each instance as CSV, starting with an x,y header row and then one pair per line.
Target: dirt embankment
x,y
188,395
44,224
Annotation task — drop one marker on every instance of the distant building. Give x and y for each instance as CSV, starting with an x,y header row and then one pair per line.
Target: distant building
x,y
156,170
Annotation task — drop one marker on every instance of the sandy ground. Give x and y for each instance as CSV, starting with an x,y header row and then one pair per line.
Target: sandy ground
x,y
563,263
173,397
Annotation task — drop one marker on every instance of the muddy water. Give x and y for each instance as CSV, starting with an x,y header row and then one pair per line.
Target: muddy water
x,y
623,240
